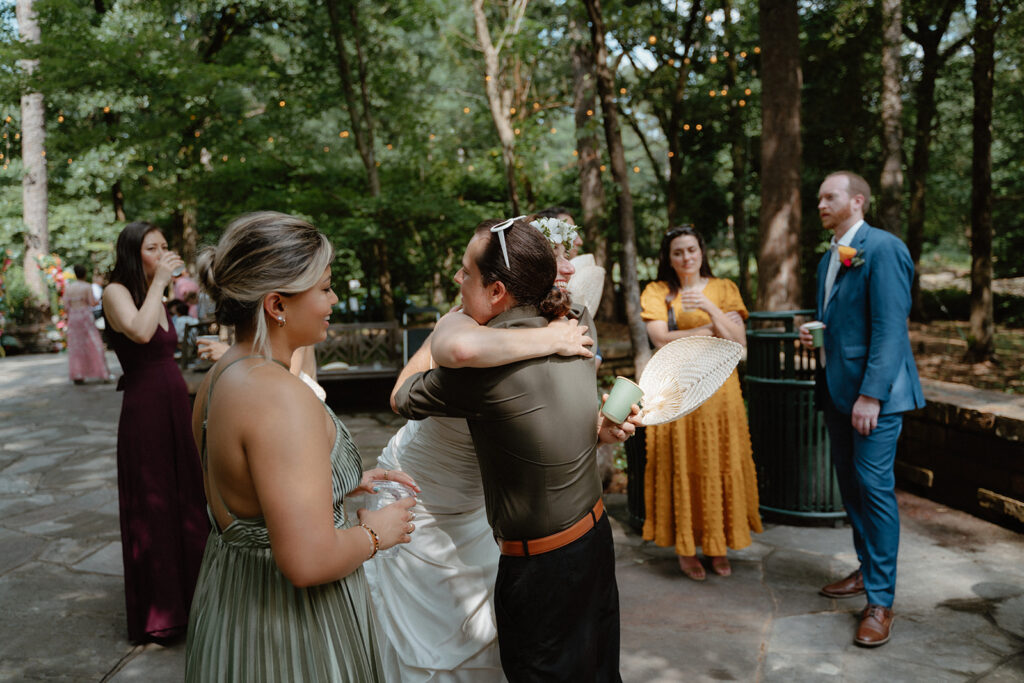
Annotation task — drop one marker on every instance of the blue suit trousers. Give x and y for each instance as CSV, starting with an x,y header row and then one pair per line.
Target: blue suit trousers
x,y
864,468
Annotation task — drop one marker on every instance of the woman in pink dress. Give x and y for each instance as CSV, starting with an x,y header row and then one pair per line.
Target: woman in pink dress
x,y
85,348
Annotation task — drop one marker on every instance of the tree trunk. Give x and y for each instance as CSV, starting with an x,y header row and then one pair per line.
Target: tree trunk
x,y
734,126
117,199
361,116
673,123
930,27
499,97
627,221
982,337
891,183
34,181
778,262
359,126
592,199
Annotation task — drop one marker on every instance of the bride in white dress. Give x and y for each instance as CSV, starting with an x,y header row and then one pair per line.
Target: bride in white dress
x,y
434,599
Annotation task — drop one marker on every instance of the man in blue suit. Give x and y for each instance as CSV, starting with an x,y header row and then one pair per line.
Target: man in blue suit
x,y
865,381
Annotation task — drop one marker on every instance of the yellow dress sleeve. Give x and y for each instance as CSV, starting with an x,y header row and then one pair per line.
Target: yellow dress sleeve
x,y
652,302
728,295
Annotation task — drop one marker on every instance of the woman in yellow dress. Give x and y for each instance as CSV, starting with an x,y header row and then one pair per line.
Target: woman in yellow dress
x,y
700,484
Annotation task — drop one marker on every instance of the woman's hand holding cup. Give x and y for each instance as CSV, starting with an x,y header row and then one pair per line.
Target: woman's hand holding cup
x,y
166,267
392,523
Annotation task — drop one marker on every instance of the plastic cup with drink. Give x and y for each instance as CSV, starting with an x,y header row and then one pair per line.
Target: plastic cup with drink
x,y
387,492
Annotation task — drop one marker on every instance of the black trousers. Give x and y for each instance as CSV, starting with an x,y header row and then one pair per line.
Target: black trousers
x,y
558,612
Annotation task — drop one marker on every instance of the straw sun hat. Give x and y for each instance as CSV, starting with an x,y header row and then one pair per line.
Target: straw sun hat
x,y
586,284
685,373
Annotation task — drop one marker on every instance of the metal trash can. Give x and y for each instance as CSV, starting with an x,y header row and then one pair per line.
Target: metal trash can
x,y
795,476
636,461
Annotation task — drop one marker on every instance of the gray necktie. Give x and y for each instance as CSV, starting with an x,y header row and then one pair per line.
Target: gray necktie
x,y
830,275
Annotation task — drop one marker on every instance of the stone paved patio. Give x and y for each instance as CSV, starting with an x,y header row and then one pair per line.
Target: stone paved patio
x,y
959,605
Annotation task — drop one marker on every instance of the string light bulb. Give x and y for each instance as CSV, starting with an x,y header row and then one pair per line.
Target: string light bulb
x,y
652,40
747,91
281,103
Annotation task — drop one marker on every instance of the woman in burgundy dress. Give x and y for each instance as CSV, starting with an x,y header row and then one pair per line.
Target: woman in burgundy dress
x,y
159,480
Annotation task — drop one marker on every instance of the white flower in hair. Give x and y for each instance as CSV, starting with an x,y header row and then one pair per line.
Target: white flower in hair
x,y
557,232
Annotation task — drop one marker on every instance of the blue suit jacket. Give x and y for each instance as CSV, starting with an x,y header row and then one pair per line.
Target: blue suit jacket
x,y
867,346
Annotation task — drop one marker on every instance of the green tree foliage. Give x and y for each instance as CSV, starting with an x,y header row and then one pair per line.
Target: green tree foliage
x,y
190,112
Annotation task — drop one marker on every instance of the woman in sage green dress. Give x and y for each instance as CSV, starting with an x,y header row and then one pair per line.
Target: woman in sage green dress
x,y
281,593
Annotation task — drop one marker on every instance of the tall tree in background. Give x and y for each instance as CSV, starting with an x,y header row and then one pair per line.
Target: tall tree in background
x,y
627,219
738,154
499,95
891,183
588,160
361,116
930,23
982,338
34,181
778,262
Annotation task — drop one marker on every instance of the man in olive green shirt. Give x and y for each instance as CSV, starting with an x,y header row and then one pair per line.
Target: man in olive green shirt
x,y
535,427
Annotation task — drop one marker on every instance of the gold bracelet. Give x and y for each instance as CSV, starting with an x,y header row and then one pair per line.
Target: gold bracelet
x,y
374,538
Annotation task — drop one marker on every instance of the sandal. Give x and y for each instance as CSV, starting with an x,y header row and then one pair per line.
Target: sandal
x,y
720,565
692,568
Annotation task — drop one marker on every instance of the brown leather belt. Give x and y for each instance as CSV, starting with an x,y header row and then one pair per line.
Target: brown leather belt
x,y
546,544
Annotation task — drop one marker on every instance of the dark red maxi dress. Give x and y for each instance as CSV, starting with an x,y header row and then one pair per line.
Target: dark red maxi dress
x,y
160,488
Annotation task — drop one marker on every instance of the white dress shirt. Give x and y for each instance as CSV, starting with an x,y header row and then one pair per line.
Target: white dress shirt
x,y
833,264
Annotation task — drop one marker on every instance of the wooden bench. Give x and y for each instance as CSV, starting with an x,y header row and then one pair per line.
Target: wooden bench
x,y
359,351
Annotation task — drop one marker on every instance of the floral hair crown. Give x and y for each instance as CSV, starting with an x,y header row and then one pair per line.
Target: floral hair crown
x,y
556,231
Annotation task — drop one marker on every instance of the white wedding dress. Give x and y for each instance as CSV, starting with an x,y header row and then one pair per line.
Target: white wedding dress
x,y
434,599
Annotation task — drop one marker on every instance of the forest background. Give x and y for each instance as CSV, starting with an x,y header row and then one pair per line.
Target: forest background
x,y
395,127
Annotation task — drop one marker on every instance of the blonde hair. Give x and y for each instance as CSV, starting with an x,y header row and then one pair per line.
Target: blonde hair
x,y
260,253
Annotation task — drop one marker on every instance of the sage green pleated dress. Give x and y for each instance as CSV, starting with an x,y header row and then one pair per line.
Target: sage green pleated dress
x,y
249,623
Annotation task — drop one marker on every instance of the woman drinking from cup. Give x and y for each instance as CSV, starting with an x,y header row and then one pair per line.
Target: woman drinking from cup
x,y
159,483
700,483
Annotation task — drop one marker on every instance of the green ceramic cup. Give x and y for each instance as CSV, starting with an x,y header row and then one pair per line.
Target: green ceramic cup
x,y
817,330
621,398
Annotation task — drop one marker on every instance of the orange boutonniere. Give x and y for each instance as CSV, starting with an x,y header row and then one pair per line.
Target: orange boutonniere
x,y
849,257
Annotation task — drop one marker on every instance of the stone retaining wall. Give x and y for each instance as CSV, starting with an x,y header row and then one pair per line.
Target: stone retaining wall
x,y
966,449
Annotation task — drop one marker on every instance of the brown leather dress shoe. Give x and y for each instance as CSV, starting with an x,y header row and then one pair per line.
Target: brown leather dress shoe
x,y
850,587
875,626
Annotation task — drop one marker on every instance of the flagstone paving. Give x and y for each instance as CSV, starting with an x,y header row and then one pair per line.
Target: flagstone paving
x,y
959,601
